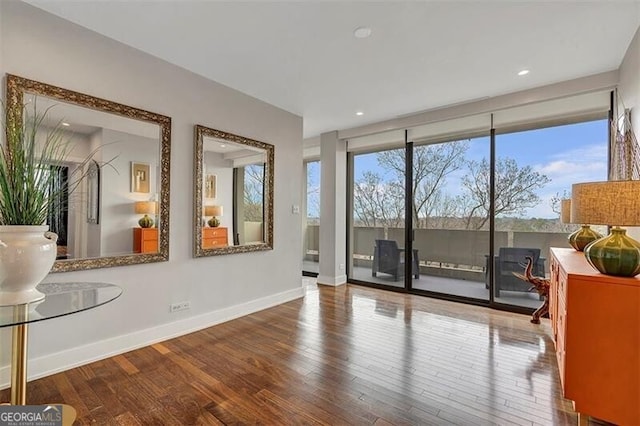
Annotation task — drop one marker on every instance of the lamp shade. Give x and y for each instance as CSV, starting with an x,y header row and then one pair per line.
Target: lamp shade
x,y
213,210
565,210
145,207
606,203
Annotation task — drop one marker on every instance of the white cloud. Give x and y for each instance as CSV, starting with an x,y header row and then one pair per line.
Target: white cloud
x,y
586,154
585,164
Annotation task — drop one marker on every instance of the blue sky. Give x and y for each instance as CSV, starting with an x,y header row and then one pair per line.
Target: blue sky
x,y
565,154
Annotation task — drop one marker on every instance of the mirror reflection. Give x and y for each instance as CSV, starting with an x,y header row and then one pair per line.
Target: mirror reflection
x,y
115,215
234,193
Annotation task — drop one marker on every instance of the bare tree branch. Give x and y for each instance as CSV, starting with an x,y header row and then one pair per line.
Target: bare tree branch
x,y
515,189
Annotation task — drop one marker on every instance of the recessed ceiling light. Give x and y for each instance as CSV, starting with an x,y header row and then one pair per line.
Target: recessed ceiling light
x,y
523,72
359,113
222,145
362,32
65,124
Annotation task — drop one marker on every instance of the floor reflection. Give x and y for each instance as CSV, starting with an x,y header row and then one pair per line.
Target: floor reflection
x,y
451,362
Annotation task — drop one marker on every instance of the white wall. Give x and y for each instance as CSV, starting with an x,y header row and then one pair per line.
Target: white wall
x,y
48,49
117,216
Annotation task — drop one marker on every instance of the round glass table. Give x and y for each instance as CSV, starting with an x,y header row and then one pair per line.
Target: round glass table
x,y
60,299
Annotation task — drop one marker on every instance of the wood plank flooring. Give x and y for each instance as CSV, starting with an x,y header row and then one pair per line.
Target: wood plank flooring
x,y
347,355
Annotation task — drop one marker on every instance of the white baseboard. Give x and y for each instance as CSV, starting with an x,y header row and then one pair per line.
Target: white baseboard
x,y
81,355
334,281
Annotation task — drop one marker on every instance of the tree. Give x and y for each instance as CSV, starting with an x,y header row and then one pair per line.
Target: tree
x,y
378,203
432,164
253,192
515,190
556,202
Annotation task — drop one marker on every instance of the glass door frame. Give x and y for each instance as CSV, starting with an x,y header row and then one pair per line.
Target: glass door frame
x,y
409,231
305,204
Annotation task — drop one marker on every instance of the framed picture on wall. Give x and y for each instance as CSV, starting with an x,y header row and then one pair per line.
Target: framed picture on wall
x,y
140,177
210,186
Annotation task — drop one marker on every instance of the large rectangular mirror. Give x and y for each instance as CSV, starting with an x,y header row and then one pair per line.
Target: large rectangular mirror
x,y
119,214
233,207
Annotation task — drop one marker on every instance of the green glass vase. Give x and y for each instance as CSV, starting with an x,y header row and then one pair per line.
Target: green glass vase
x,y
145,221
582,237
616,254
214,222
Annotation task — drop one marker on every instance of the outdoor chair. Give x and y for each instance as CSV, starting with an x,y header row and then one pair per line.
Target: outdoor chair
x,y
514,259
389,259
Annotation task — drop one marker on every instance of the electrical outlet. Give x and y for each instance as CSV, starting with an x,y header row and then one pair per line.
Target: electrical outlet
x,y
180,306
341,266
295,209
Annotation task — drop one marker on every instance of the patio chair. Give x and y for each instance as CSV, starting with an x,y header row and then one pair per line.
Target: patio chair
x,y
389,259
513,259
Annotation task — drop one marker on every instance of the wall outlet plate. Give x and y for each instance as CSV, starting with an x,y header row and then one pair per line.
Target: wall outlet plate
x,y
180,306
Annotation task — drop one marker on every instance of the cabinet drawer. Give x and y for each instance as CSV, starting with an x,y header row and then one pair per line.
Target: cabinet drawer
x,y
150,246
561,331
562,287
214,233
554,269
149,234
560,356
214,242
218,242
561,317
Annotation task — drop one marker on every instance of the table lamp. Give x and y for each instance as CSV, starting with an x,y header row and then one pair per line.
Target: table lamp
x,y
614,203
583,236
213,211
145,208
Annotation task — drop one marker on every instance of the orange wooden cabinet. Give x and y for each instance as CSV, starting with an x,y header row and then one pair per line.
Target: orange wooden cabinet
x,y
214,237
145,240
595,320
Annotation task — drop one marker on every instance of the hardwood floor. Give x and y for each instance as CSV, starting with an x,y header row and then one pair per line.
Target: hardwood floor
x,y
346,355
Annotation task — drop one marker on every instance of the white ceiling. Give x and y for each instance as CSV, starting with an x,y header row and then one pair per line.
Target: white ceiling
x,y
86,121
302,56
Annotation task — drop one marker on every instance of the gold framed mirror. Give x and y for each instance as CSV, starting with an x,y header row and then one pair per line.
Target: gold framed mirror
x,y
100,221
233,193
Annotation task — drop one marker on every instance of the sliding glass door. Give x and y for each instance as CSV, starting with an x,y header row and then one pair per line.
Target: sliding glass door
x,y
377,222
452,245
534,170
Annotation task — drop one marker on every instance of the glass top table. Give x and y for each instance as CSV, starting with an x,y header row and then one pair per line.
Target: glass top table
x,y
60,299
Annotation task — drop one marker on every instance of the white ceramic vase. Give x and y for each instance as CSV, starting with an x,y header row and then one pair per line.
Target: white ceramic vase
x,y
27,254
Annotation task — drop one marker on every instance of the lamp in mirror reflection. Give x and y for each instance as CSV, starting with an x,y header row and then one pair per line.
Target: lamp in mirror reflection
x,y
583,236
146,208
214,212
615,203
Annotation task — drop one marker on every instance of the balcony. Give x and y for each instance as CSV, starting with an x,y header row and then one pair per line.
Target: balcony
x,y
452,262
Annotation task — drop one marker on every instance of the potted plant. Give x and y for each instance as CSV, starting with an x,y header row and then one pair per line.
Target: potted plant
x,y
27,194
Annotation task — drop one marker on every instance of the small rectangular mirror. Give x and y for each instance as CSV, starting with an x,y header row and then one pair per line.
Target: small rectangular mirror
x,y
233,207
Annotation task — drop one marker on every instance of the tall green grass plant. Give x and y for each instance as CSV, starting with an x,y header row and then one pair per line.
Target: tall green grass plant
x,y
31,147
